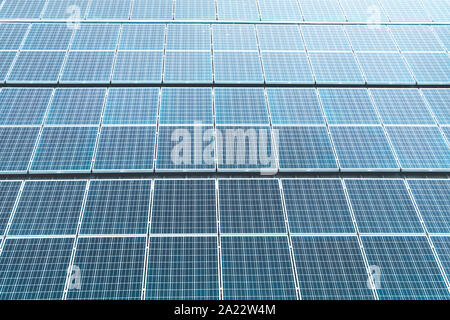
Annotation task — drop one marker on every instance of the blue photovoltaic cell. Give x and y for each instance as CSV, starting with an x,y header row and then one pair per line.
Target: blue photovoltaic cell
x,y
316,206
34,268
109,10
439,102
234,37
76,106
88,67
37,66
332,67
409,269
294,106
65,149
447,132
138,66
152,10
405,10
365,148
368,11
401,106
117,207
186,106
443,33
348,106
438,10
257,268
382,206
11,35
16,148
96,37
188,37
322,10
125,148
325,38
432,199
281,10
142,37
250,206
22,9
195,10
187,67
65,9
420,148
238,10
131,106
280,37
184,206
370,38
6,59
185,148
384,68
287,67
240,106
237,67
112,268
442,245
23,106
190,272
305,149
429,68
331,268
8,194
48,208
48,36
415,38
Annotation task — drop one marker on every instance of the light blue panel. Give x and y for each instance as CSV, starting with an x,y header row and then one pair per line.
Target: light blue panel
x,y
188,37
281,10
234,37
438,10
66,10
287,67
88,67
195,10
385,68
11,35
429,68
138,67
415,38
405,10
335,68
280,37
152,10
48,36
368,11
370,38
439,101
96,36
322,10
16,148
187,67
442,246
238,10
142,37
8,194
325,38
237,67
37,66
22,9
109,10
443,33
6,60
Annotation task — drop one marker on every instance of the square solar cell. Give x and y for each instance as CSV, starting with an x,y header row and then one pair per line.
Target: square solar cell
x,y
237,67
142,37
76,106
335,68
348,106
125,149
443,33
294,106
16,148
34,268
188,37
368,11
186,106
184,207
152,10
420,148
65,149
401,106
131,106
195,10
240,106
281,10
238,10
438,10
257,268
322,10
429,68
96,36
48,208
431,197
112,268
442,245
316,206
189,272
305,149
185,148
415,38
287,67
371,37
187,67
280,37
138,67
363,148
250,206
408,268
439,102
8,194
382,206
88,67
325,38
66,9
117,207
405,10
37,66
22,9
331,268
234,37
12,35
109,10
48,36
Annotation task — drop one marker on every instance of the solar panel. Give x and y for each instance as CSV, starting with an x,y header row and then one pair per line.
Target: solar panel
x,y
408,268
256,268
8,194
65,9
237,67
6,60
446,131
322,10
280,37
368,11
331,268
195,10
234,37
240,106
443,33
48,208
316,206
282,10
11,35
238,10
325,38
16,148
439,102
429,68
187,67
442,245
65,149
438,10
22,9
131,106
186,106
415,38
363,148
110,10
184,207
96,36
420,148
76,106
370,38
382,206
34,268
404,10
88,67
188,37
138,66
286,67
142,37
250,206
125,149
153,10
189,272
117,207
112,268
305,148
48,36
335,68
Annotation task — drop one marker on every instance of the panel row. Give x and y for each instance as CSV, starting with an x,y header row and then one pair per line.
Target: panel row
x,y
370,11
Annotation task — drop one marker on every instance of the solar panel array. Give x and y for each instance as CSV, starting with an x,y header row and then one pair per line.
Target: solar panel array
x,y
224,149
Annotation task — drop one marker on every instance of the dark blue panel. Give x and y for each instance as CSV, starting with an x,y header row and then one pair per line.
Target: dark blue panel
x,y
16,148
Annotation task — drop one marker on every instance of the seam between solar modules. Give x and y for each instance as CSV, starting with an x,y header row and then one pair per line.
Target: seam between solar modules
x,y
100,125
219,243
8,226
147,245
